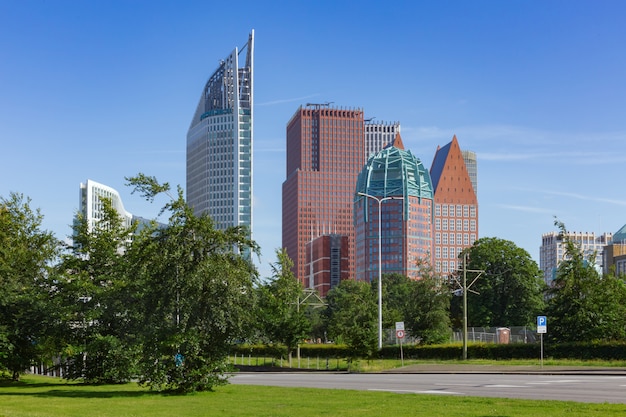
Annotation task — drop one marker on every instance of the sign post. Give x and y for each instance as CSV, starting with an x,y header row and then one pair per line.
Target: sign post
x,y
400,335
542,327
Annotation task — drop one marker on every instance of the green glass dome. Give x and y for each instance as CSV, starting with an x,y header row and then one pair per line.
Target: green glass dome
x,y
394,172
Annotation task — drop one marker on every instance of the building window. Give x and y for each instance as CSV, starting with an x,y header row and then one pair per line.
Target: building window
x,y
452,210
445,238
445,210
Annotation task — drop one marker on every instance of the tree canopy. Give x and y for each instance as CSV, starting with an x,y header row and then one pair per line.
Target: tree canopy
x,y
26,255
510,290
584,305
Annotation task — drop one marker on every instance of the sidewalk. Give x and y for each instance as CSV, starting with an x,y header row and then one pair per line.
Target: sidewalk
x,y
507,369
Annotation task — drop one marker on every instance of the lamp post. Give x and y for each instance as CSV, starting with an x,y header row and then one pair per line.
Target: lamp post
x,y
380,264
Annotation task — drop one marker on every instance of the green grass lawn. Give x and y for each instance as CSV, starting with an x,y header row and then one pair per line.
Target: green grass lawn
x,y
38,396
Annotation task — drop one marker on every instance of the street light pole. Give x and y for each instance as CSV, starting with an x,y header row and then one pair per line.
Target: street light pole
x,y
380,264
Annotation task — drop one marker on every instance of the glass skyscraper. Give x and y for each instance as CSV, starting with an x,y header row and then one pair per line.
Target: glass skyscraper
x,y
219,143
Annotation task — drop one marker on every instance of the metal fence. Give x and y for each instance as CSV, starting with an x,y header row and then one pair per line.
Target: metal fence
x,y
498,335
516,334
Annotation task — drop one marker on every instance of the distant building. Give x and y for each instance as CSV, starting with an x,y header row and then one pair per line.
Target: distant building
x,y
614,254
395,182
90,205
325,152
456,207
327,262
219,143
552,250
378,135
471,164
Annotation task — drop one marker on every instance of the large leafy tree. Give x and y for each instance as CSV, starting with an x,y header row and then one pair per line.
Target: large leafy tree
x,y
26,253
428,308
584,305
283,317
509,291
352,317
196,294
396,294
92,293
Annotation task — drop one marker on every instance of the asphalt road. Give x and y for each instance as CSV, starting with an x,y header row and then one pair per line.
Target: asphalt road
x,y
581,388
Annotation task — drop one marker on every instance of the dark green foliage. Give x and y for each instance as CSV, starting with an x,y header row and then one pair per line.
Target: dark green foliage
x,y
352,317
195,295
510,290
282,316
94,299
609,351
26,316
583,305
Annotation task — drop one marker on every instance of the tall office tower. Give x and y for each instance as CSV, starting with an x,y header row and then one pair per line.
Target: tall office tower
x,y
378,135
219,143
552,250
472,168
91,206
393,211
456,207
325,152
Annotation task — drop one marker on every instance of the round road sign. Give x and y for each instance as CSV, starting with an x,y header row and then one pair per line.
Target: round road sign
x,y
400,334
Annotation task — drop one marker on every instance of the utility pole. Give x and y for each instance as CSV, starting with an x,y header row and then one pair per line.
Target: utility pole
x,y
465,288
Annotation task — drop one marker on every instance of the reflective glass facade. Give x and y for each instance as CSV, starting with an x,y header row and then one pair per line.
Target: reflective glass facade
x,y
219,143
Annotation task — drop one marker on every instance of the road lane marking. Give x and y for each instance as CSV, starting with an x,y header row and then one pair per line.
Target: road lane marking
x,y
417,392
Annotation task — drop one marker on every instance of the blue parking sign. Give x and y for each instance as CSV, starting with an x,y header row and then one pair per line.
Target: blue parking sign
x,y
542,324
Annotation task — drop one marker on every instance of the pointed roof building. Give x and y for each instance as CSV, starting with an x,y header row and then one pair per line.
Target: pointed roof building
x,y
456,207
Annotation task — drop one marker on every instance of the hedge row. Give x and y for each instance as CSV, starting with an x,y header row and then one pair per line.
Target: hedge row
x,y
581,351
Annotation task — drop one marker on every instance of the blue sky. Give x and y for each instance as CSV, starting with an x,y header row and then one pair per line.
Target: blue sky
x,y
107,89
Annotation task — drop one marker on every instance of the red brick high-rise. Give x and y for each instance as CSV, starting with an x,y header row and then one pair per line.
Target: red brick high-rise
x,y
456,207
325,153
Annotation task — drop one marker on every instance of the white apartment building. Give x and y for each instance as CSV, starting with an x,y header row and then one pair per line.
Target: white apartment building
x,y
552,250
90,203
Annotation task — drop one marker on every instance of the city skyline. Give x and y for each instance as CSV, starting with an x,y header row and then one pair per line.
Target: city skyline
x,y
535,89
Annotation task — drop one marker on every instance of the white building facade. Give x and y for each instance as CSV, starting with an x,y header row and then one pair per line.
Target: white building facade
x,y
90,203
219,143
552,250
378,135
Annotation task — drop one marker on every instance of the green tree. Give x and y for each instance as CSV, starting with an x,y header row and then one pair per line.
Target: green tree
x,y
510,291
196,294
428,308
352,317
26,253
91,292
396,293
283,316
583,305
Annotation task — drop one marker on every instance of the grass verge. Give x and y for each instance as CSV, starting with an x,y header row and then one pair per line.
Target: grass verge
x,y
49,397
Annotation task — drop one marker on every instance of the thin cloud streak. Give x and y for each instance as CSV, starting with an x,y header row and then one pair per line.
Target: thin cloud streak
x,y
581,197
526,209
286,100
